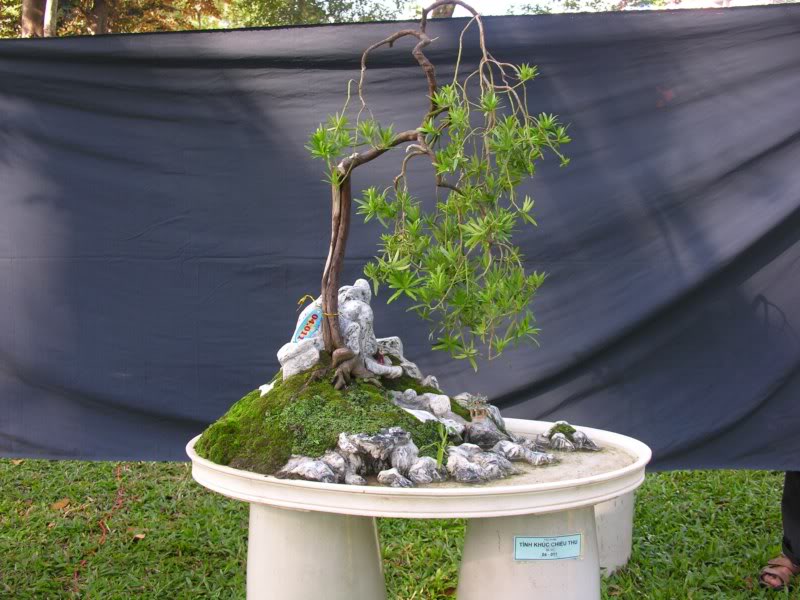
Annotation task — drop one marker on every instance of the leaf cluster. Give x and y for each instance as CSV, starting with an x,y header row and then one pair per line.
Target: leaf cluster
x,y
457,264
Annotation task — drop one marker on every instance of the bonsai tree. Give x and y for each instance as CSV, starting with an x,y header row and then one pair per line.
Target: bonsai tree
x,y
454,258
457,263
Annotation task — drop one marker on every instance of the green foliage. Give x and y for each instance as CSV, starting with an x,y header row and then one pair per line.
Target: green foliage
x,y
259,13
75,17
439,446
576,6
10,15
301,416
457,264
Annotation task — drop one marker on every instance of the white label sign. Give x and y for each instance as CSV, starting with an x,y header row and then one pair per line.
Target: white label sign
x,y
560,547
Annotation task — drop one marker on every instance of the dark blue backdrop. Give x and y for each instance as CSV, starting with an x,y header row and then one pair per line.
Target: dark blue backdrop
x,y
159,219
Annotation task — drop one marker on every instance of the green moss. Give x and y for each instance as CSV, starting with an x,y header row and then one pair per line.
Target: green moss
x,y
567,430
460,410
300,416
405,382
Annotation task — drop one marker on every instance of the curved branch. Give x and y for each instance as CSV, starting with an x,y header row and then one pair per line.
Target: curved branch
x,y
356,159
346,166
426,11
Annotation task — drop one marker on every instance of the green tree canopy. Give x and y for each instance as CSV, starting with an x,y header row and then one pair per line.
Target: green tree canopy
x,y
256,13
81,17
456,262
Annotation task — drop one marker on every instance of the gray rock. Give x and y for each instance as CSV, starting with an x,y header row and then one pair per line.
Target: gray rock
x,y
337,463
297,357
539,444
461,464
410,396
582,442
468,401
373,452
347,444
541,458
354,308
463,399
393,478
510,450
430,407
558,441
378,446
382,369
454,417
453,426
465,450
356,323
422,415
393,346
403,456
390,346
497,419
494,465
431,381
309,469
425,471
354,479
484,433
410,399
467,463
464,470
438,404
410,369
513,451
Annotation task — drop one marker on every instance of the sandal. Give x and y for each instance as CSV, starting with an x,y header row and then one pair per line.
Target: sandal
x,y
780,570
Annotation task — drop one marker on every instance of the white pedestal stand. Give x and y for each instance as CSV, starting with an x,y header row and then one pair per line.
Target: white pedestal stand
x,y
294,555
488,568
527,540
615,532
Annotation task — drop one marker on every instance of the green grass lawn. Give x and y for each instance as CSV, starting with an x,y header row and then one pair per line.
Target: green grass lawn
x,y
146,530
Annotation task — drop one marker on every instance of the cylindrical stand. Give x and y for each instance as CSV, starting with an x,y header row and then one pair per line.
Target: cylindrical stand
x,y
545,556
615,532
296,555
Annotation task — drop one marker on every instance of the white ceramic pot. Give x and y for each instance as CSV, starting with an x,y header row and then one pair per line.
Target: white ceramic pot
x,y
520,536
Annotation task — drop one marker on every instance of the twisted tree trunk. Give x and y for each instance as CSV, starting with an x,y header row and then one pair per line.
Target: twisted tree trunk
x,y
347,363
340,227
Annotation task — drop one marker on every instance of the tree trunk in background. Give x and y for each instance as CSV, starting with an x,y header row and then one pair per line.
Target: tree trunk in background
x,y
33,18
50,18
443,11
99,17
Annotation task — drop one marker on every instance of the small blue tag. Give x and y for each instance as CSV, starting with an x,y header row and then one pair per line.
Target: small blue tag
x,y
559,547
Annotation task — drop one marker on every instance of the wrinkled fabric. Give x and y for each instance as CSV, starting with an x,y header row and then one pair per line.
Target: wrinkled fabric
x,y
160,218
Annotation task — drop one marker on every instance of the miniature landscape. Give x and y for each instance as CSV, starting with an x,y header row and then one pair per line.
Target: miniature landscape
x,y
392,426
346,406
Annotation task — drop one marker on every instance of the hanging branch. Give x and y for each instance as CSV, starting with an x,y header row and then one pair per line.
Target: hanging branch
x,y
457,264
